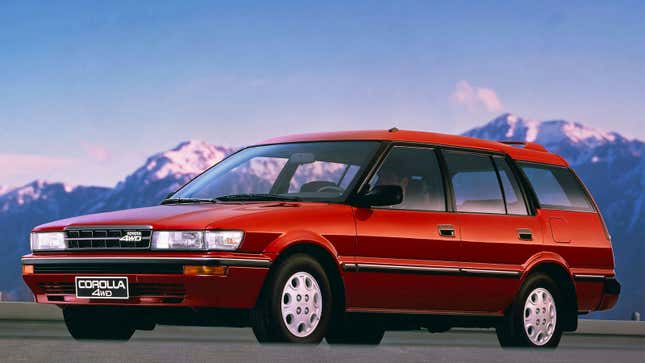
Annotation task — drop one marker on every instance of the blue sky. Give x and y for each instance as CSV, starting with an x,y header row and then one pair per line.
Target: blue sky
x,y
89,89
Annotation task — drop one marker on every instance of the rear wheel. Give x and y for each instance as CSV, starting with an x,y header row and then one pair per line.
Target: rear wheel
x,y
93,323
532,320
295,305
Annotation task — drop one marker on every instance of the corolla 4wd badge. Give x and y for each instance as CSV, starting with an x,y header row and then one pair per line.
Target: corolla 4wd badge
x,y
102,287
131,237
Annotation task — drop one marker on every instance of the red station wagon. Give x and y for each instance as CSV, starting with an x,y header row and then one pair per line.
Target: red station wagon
x,y
342,236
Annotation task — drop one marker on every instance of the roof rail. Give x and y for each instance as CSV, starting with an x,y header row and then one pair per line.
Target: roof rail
x,y
526,145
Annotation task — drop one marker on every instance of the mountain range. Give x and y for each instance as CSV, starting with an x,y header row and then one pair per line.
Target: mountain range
x,y
611,165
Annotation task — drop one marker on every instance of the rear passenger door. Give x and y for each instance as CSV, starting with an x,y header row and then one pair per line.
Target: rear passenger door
x,y
498,234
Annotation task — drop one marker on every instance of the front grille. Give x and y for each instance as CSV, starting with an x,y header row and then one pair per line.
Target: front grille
x,y
136,289
106,238
110,268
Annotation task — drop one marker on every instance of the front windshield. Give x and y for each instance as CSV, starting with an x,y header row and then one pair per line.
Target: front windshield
x,y
308,171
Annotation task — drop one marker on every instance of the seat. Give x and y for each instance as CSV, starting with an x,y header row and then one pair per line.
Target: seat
x,y
416,195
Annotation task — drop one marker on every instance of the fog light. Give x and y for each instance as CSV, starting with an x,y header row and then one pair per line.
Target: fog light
x,y
205,270
27,269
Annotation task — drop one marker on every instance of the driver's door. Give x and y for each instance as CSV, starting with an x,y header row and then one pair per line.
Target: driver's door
x,y
407,254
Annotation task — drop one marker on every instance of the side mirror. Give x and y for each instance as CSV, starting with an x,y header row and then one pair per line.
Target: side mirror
x,y
381,196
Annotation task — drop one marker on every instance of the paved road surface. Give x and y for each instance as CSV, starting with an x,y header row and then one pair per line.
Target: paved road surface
x,y
27,341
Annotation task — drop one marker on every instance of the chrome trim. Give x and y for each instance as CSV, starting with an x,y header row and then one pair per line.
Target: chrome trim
x,y
422,312
241,262
589,277
475,271
349,267
371,267
92,239
124,226
428,269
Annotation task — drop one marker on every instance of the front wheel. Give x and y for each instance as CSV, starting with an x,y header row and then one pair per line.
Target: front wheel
x,y
295,305
532,320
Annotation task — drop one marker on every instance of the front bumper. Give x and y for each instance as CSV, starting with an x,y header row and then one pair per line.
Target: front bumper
x,y
155,280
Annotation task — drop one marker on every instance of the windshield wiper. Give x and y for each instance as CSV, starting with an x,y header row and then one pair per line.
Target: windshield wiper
x,y
187,200
257,197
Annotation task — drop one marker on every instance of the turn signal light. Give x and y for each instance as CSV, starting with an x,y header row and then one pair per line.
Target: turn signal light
x,y
205,270
27,269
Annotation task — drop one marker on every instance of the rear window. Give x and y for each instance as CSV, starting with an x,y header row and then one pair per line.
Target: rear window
x,y
556,187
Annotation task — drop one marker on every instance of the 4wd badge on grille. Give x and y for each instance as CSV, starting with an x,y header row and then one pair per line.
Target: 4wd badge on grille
x,y
102,287
131,237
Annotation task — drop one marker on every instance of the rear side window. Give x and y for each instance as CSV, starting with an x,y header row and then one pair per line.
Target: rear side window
x,y
556,187
474,182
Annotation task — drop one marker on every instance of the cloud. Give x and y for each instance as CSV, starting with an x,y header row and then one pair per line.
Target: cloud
x,y
476,98
97,152
13,165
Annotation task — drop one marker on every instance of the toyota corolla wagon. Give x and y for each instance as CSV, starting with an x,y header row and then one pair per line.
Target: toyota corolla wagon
x,y
342,236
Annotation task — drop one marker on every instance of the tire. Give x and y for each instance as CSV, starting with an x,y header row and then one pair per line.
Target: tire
x,y
92,323
534,319
359,332
295,305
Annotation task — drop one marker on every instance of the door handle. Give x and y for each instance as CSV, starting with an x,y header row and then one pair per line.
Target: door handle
x,y
524,234
446,230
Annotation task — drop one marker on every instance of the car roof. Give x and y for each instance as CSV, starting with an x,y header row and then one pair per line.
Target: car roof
x,y
526,151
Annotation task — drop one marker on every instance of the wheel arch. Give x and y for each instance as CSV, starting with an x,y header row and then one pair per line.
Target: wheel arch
x,y
324,254
557,269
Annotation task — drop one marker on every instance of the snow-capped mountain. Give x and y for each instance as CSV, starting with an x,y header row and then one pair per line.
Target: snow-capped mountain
x,y
23,208
4,189
611,165
613,168
161,174
578,143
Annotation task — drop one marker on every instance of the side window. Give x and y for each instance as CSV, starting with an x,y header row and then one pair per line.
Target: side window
x,y
474,182
417,171
556,187
515,203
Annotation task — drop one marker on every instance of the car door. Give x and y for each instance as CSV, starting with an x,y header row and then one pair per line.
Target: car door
x,y
498,234
407,254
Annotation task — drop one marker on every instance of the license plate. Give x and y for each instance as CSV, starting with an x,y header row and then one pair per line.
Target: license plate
x,y
102,287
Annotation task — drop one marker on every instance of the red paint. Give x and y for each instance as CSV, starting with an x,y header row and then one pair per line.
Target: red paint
x,y
575,241
201,291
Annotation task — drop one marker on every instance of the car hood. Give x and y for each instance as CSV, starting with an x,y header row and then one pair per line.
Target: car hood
x,y
180,217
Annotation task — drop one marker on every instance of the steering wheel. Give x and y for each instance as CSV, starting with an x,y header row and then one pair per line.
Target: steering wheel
x,y
331,188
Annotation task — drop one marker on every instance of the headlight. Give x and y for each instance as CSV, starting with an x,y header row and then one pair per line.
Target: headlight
x,y
181,240
223,240
47,241
197,240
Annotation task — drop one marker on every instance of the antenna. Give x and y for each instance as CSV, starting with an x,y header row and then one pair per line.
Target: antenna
x,y
394,129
